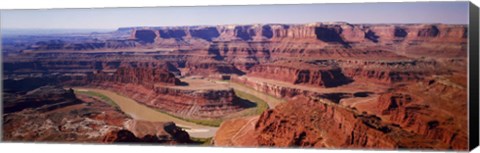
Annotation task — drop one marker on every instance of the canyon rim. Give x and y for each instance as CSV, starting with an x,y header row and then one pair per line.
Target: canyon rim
x,y
319,84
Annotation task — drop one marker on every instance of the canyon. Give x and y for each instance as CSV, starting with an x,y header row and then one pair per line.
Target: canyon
x,y
64,116
320,85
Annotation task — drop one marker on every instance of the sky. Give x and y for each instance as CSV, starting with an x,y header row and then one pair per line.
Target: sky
x,y
113,18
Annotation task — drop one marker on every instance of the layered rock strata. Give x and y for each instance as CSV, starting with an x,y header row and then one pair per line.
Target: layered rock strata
x,y
417,71
320,125
311,74
58,115
157,88
263,40
62,117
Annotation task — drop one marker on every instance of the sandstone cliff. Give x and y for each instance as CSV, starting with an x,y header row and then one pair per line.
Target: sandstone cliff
x,y
417,116
320,125
313,74
145,76
278,39
408,80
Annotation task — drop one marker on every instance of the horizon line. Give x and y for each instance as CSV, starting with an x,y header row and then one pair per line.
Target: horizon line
x,y
193,25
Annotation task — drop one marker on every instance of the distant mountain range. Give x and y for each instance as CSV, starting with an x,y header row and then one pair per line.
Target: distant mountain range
x,y
7,32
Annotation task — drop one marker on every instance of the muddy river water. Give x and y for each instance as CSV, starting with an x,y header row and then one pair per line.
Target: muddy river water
x,y
142,112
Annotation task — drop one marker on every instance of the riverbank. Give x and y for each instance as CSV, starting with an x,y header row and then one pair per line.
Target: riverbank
x,y
142,112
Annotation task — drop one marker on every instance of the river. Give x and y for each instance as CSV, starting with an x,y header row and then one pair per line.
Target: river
x,y
142,112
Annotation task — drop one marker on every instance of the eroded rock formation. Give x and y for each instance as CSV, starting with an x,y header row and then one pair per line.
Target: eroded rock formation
x,y
62,117
145,76
46,97
378,85
53,114
148,132
417,116
419,37
315,74
321,125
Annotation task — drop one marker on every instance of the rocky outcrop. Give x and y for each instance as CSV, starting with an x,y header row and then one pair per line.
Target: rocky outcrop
x,y
145,76
44,111
148,82
156,87
121,136
206,68
270,88
415,39
148,132
81,73
82,64
85,120
188,103
385,76
237,132
393,101
44,98
172,33
424,32
145,36
416,70
295,128
415,115
301,73
392,71
207,33
289,91
319,125
57,115
330,34
23,85
284,91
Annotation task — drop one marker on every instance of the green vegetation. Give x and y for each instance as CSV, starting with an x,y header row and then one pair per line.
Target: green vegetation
x,y
259,109
206,122
103,98
202,141
248,87
261,105
99,96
